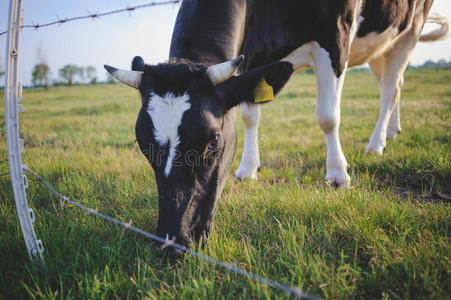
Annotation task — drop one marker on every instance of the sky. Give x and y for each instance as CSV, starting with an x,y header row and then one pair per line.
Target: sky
x,y
116,39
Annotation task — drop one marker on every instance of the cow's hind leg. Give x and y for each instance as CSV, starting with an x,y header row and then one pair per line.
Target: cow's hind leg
x,y
250,159
394,125
390,83
328,116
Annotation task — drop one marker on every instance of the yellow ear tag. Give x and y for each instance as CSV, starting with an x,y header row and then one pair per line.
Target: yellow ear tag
x,y
263,92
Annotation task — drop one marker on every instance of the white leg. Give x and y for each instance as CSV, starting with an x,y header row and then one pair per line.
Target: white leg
x,y
389,93
394,125
395,63
250,159
328,116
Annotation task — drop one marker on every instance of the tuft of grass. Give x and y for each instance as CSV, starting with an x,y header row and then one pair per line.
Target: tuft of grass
x,y
386,237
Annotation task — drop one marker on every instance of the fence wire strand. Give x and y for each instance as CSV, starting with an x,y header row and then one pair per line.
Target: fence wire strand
x,y
97,15
293,291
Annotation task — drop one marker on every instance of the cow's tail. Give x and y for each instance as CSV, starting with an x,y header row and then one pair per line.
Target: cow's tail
x,y
438,34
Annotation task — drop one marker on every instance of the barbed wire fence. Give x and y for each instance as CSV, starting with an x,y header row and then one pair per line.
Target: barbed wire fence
x,y
13,95
94,16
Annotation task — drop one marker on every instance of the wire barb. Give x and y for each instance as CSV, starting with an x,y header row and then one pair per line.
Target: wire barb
x,y
97,15
166,242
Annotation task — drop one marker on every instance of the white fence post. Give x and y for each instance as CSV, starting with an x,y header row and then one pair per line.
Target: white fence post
x,y
13,95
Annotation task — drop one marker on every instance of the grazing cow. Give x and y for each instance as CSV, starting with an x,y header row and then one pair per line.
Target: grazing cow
x,y
186,125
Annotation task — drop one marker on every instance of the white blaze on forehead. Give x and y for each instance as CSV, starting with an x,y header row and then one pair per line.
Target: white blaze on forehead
x,y
166,113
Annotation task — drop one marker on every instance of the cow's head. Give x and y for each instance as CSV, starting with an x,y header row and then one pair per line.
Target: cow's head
x,y
186,129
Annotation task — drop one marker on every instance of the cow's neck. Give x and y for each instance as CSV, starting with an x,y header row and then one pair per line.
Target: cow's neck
x,y
209,32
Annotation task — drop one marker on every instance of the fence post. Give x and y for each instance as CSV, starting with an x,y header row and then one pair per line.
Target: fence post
x,y
13,95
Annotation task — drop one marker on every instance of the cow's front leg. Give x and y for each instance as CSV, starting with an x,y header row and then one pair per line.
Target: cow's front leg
x,y
328,116
250,159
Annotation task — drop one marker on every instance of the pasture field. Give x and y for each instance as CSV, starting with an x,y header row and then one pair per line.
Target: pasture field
x,y
386,237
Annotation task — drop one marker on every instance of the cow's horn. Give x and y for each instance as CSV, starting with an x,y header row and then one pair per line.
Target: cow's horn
x,y
130,78
221,72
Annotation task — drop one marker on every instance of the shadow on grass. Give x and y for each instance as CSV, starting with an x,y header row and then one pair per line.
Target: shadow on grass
x,y
421,178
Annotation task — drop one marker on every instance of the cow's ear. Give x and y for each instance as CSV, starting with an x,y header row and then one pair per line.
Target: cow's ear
x,y
138,64
258,85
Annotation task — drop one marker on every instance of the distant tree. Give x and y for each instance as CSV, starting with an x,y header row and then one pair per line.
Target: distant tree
x,y
68,73
58,83
428,64
81,74
90,73
40,75
441,64
41,71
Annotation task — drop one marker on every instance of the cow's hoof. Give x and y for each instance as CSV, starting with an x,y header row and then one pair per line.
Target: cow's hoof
x,y
378,149
392,133
339,180
244,172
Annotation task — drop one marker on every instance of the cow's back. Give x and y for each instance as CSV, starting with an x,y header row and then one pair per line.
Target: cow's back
x,y
264,31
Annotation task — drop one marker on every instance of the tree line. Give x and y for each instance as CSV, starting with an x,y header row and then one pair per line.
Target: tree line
x,y
69,75
72,74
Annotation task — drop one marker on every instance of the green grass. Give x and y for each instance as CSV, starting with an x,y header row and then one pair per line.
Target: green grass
x,y
386,237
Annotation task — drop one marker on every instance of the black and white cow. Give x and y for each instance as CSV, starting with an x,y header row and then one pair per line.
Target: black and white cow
x,y
186,126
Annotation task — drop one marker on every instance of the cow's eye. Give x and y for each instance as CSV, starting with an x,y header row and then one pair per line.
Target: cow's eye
x,y
214,142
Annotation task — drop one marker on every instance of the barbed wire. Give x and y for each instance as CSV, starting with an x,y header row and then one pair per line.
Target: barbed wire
x,y
97,15
293,291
